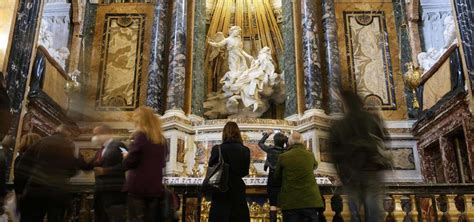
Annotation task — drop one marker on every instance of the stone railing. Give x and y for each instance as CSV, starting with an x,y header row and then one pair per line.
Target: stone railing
x,y
407,202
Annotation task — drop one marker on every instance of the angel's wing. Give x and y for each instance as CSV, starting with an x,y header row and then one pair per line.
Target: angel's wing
x,y
215,51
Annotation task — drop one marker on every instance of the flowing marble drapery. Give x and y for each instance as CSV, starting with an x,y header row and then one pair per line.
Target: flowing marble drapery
x,y
156,67
311,55
465,16
287,60
333,65
199,82
177,57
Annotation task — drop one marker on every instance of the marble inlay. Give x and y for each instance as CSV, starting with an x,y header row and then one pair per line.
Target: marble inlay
x,y
203,153
333,65
199,82
465,15
156,67
177,57
287,60
369,57
311,55
121,58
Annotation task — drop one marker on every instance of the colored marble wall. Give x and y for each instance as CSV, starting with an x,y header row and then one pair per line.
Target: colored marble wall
x,y
199,82
331,52
177,57
288,58
465,16
18,64
399,9
7,12
311,55
156,67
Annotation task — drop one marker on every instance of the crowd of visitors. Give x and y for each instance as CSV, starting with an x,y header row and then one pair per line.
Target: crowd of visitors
x,y
129,179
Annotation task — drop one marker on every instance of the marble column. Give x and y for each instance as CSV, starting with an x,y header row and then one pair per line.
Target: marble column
x,y
156,67
287,60
177,57
333,65
199,82
311,55
405,54
465,17
23,43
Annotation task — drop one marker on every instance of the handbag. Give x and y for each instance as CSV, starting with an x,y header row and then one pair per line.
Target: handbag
x,y
217,176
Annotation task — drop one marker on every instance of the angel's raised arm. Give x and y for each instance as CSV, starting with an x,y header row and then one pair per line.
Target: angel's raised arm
x,y
218,44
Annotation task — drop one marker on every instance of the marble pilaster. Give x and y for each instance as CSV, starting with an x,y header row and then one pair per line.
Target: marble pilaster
x,y
20,57
311,55
177,57
333,65
399,9
465,17
287,60
156,67
199,86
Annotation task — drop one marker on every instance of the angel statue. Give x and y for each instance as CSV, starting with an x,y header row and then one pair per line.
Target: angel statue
x,y
236,58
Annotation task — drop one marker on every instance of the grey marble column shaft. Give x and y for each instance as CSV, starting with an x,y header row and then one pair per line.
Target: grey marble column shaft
x,y
156,67
199,85
287,60
177,57
311,55
333,65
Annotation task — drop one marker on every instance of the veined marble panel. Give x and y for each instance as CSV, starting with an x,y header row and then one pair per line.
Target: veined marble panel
x,y
121,62
369,56
388,54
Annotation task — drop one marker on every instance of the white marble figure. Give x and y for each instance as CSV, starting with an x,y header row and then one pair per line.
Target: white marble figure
x,y
427,59
46,40
246,92
449,32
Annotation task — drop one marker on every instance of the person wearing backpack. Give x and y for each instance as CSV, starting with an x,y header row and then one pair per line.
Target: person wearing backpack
x,y
356,144
231,205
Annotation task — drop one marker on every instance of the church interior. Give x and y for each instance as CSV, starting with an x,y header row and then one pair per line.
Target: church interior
x,y
265,64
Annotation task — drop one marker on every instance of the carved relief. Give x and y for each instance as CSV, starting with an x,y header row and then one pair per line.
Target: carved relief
x,y
121,61
369,57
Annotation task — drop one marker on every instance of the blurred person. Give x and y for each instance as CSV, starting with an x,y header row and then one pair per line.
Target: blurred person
x,y
47,191
23,167
355,142
231,205
109,200
299,197
273,152
145,163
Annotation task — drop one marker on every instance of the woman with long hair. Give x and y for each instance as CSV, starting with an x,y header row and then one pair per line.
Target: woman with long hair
x,y
145,162
232,204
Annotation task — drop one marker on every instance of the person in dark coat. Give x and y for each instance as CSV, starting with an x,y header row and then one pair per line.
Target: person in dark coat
x,y
299,198
273,152
354,150
48,191
23,166
232,204
145,163
109,199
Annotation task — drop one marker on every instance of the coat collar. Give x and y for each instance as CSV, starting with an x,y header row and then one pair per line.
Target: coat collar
x,y
297,146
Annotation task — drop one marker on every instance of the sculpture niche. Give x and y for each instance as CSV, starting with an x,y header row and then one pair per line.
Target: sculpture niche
x,y
246,91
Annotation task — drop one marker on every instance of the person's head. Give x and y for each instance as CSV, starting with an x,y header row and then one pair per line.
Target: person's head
x,y
65,130
231,132
148,123
8,142
351,101
280,139
101,134
295,138
27,141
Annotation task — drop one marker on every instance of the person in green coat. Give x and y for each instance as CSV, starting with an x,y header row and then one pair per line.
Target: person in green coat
x,y
299,197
